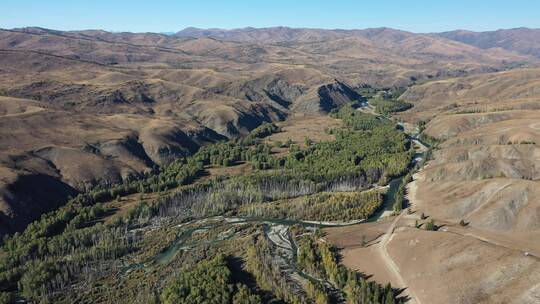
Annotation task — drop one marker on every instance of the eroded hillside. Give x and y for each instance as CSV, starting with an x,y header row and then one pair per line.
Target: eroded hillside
x,y
479,188
80,122
88,108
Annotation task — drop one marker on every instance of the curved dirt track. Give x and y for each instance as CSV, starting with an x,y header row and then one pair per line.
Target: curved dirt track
x,y
389,262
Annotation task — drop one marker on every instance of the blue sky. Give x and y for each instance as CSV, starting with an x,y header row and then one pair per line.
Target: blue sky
x,y
168,16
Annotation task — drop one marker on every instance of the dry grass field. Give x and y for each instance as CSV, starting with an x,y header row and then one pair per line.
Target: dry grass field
x,y
300,127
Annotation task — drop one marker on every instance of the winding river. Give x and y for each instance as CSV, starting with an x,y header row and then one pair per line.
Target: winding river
x,y
277,230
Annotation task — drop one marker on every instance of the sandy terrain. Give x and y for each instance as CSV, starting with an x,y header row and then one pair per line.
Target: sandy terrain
x,y
435,267
364,248
359,246
442,267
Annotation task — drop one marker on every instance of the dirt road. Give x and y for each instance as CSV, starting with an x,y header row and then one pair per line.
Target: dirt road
x,y
393,269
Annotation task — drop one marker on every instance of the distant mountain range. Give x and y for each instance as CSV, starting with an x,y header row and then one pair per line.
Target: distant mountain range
x,y
521,40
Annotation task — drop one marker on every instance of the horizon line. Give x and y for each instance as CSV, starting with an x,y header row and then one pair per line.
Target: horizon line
x,y
258,28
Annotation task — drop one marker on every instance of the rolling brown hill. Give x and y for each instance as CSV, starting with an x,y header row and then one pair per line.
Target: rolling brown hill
x,y
81,109
489,128
485,173
480,189
521,40
84,108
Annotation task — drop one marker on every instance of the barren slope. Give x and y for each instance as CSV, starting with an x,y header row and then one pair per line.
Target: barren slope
x,y
70,117
485,173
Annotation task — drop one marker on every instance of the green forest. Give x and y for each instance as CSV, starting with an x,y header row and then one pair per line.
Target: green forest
x,y
87,251
320,261
386,102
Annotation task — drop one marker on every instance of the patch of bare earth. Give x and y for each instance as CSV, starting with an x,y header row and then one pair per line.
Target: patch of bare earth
x,y
299,127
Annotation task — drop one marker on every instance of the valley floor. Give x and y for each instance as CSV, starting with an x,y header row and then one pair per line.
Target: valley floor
x,y
466,231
